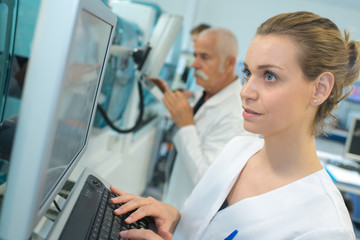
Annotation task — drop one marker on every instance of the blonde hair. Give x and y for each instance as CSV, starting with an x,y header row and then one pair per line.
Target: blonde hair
x,y
321,49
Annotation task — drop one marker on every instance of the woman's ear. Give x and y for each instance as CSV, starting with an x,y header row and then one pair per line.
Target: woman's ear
x,y
323,86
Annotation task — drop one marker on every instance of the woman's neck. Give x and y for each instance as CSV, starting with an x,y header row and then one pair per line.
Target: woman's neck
x,y
290,154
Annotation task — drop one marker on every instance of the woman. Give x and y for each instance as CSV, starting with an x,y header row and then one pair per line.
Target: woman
x,y
296,70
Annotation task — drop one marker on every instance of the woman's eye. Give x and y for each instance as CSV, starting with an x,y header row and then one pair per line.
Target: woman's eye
x,y
270,76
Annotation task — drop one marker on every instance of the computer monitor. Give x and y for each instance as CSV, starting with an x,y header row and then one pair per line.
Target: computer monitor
x,y
352,145
67,61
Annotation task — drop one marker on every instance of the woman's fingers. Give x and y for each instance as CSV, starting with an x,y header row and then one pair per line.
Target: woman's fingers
x,y
117,191
165,216
132,202
145,234
143,206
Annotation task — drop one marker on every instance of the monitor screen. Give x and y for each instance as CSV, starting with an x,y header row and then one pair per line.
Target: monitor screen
x,y
67,62
81,82
352,146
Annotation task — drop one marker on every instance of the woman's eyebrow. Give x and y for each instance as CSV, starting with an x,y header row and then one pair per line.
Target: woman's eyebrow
x,y
264,66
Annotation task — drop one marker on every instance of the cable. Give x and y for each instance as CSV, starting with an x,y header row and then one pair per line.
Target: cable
x,y
139,55
57,206
138,121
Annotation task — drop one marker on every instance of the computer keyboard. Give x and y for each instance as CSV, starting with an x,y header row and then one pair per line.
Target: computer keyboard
x,y
93,215
346,164
107,225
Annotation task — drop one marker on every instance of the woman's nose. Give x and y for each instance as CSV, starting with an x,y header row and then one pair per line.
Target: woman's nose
x,y
249,89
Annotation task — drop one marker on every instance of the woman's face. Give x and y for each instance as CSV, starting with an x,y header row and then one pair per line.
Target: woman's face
x,y
276,97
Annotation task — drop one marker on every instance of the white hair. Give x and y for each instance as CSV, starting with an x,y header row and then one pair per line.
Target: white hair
x,y
226,42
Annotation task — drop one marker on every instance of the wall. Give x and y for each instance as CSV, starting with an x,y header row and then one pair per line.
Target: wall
x,y
243,17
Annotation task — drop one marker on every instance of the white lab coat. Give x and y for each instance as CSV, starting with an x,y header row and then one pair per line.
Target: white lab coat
x,y
310,208
217,121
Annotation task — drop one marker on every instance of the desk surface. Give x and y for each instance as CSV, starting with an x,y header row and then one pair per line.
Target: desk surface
x,y
332,151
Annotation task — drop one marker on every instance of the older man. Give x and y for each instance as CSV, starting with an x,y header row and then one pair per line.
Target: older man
x,y
215,118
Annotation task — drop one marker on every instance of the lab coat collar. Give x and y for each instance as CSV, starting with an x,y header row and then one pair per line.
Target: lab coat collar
x,y
208,196
219,97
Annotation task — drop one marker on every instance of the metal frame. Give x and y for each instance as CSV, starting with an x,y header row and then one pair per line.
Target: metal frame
x,y
7,54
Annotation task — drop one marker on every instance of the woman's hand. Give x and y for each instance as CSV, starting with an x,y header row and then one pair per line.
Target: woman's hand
x,y
165,216
145,234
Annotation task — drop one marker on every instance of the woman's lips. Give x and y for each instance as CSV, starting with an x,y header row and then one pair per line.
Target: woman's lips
x,y
248,113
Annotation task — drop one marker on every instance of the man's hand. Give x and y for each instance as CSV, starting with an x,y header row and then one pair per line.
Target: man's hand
x,y
176,102
187,93
179,107
160,84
